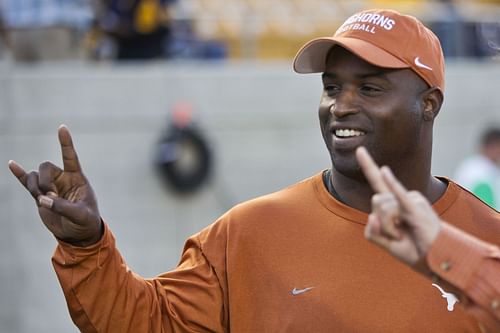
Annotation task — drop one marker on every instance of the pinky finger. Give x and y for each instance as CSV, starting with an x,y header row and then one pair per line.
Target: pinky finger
x,y
18,171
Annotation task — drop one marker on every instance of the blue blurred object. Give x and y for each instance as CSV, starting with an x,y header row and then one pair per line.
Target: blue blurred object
x,y
22,14
184,44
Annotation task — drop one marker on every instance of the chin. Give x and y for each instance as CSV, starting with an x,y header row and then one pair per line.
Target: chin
x,y
347,166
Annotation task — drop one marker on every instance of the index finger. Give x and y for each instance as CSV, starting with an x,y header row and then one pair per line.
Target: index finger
x,y
371,170
69,156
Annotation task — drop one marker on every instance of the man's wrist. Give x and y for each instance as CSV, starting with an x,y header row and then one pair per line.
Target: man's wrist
x,y
422,267
86,242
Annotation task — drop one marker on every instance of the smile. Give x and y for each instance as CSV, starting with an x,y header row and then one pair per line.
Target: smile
x,y
347,133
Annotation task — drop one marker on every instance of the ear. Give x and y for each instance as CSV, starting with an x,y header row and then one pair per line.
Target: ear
x,y
432,99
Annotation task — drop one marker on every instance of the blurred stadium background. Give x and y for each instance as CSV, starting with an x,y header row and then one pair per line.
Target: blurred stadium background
x,y
231,62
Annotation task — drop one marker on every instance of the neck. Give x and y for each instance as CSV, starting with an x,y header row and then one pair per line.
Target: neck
x,y
357,193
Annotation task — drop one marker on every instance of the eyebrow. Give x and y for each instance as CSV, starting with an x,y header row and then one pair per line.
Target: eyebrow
x,y
380,73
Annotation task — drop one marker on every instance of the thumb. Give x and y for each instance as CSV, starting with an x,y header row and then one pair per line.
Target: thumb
x,y
374,233
372,227
74,211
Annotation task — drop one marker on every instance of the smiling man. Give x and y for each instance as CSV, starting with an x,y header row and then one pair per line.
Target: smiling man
x,y
378,93
295,260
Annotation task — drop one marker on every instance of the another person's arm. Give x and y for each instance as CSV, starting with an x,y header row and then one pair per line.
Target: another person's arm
x,y
102,294
404,224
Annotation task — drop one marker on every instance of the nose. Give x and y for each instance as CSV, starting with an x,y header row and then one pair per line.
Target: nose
x,y
344,103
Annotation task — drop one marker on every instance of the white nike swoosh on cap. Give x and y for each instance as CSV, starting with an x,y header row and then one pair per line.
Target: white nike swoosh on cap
x,y
419,64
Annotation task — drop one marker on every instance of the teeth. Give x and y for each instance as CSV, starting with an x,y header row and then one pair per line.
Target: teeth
x,y
345,133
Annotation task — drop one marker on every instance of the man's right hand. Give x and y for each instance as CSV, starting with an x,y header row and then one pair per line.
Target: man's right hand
x,y
66,202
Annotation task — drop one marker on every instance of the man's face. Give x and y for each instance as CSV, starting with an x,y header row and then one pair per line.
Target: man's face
x,y
378,108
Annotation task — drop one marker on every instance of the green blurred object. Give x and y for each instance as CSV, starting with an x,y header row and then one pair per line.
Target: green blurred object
x,y
485,192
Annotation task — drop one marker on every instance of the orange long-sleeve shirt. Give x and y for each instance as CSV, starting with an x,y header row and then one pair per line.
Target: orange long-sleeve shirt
x,y
292,261
473,267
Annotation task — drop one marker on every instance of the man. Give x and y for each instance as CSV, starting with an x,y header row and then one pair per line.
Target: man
x,y
295,260
140,28
481,173
404,224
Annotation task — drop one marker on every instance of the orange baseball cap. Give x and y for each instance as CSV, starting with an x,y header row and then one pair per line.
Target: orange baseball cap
x,y
384,38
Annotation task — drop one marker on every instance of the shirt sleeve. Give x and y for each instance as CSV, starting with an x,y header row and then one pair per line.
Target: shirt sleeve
x,y
104,295
472,266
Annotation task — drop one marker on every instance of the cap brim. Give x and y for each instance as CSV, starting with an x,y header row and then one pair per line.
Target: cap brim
x,y
311,58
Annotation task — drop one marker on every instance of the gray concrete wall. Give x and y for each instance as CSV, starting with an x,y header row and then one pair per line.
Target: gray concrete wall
x,y
261,121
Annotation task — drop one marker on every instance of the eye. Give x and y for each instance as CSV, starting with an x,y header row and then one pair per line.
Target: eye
x,y
371,90
331,89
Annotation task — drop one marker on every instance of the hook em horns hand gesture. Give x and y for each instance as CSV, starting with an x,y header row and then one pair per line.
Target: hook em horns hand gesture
x,y
66,202
402,222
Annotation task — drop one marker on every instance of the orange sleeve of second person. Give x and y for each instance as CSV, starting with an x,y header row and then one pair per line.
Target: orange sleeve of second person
x,y
473,266
104,295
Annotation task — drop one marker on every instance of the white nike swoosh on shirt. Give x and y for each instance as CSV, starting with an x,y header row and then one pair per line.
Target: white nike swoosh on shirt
x,y
296,291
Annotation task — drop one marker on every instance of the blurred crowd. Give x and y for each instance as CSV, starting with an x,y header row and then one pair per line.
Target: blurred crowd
x,y
34,30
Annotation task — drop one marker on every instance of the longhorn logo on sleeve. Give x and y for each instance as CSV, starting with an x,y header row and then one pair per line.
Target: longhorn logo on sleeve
x,y
451,299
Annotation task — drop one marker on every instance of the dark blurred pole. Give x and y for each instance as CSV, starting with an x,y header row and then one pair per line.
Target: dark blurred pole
x,y
183,158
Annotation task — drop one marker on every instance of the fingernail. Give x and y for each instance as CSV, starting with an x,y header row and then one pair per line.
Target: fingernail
x,y
45,201
52,194
387,171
